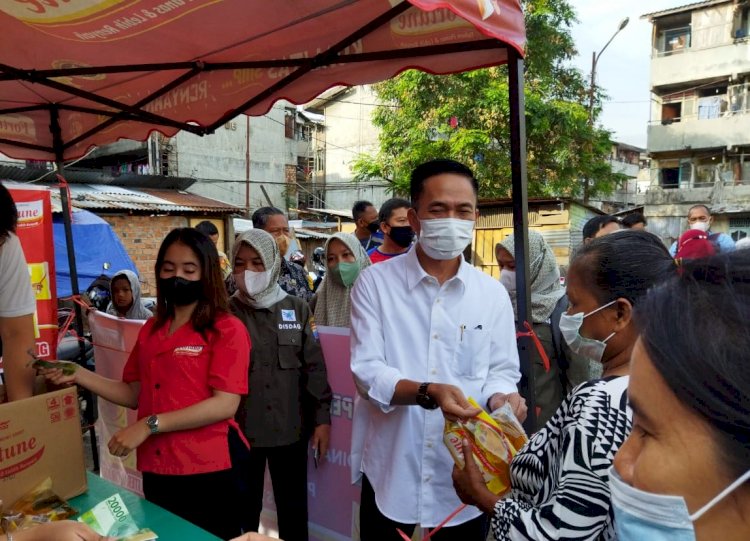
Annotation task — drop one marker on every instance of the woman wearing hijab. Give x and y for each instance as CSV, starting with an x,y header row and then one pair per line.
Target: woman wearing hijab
x,y
289,399
345,259
548,302
125,292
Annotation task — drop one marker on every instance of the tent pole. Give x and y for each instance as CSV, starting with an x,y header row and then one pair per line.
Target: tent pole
x,y
521,226
57,144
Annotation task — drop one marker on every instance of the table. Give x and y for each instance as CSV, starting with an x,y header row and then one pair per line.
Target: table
x,y
168,526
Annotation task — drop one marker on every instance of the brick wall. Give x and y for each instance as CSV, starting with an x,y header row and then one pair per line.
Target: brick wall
x,y
142,236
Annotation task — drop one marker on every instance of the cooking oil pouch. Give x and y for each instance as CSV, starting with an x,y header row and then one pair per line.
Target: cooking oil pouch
x,y
510,426
37,506
492,449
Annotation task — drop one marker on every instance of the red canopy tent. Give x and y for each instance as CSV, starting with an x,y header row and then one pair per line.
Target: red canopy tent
x,y
84,73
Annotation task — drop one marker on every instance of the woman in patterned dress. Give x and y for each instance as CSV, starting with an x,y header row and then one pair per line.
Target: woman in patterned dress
x,y
560,478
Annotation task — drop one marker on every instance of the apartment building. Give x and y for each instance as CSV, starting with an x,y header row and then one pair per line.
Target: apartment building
x,y
699,132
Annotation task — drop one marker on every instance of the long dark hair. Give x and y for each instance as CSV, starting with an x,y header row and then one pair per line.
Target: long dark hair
x,y
213,299
696,331
624,264
8,214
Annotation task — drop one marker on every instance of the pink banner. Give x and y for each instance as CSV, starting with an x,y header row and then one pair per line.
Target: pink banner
x,y
114,339
332,499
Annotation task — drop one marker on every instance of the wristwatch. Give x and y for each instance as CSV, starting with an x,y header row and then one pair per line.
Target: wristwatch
x,y
424,399
152,422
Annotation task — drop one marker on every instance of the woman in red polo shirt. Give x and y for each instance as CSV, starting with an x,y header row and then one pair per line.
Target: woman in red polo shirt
x,y
186,375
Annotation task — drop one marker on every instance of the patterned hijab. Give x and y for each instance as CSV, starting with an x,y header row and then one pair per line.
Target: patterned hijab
x,y
544,277
333,304
268,250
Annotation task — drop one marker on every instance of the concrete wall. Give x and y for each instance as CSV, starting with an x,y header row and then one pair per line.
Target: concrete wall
x,y
666,210
219,161
713,53
142,236
723,132
349,132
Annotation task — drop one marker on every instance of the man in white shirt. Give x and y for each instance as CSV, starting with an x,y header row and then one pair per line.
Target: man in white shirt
x,y
428,330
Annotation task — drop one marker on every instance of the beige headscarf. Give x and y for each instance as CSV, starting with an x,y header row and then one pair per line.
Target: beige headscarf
x,y
544,277
333,304
268,250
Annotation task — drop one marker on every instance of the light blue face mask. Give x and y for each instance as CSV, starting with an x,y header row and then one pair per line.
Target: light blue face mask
x,y
643,516
585,348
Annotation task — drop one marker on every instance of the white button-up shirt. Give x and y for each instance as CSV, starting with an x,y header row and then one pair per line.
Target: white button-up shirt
x,y
405,325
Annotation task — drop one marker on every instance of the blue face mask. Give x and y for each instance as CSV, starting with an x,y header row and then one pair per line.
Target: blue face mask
x,y
641,515
585,348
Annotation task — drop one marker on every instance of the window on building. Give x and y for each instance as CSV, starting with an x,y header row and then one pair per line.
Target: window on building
x,y
675,40
289,126
670,177
742,23
739,228
671,112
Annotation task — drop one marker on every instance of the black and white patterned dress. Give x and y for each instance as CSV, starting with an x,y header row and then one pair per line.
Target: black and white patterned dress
x,y
560,478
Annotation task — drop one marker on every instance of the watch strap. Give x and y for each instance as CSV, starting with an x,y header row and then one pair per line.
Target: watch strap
x,y
152,421
424,399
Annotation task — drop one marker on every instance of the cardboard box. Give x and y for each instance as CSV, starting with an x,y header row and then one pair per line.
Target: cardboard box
x,y
41,437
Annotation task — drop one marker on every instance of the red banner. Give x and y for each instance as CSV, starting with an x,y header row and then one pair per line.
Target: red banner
x,y
35,233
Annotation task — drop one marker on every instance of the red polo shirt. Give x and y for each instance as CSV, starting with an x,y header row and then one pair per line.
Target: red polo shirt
x,y
178,371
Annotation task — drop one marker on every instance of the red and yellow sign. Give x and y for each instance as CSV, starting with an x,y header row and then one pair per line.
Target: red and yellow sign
x,y
35,233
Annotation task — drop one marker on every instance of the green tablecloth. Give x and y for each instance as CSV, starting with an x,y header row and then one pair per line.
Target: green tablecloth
x,y
168,527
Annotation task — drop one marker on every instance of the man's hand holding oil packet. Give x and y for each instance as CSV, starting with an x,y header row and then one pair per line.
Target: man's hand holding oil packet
x,y
494,439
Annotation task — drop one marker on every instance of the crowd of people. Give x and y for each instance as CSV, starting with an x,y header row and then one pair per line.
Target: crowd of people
x,y
642,394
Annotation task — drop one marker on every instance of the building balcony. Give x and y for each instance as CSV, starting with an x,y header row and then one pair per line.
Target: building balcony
x,y
694,134
630,170
691,64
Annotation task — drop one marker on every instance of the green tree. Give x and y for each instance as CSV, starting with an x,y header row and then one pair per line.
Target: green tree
x,y
466,117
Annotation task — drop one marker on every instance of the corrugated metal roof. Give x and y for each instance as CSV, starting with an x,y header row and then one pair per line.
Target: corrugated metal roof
x,y
331,212
191,200
114,198
685,7
22,173
309,233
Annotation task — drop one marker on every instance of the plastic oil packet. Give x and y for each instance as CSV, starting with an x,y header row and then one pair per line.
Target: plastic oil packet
x,y
37,506
112,518
510,425
493,449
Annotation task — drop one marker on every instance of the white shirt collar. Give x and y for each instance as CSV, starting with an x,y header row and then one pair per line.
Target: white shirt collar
x,y
416,274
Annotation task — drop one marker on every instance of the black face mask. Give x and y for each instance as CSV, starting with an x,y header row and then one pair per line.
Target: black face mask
x,y
180,292
373,227
402,235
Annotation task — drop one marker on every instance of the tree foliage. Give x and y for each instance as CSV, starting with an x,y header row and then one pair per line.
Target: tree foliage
x,y
466,117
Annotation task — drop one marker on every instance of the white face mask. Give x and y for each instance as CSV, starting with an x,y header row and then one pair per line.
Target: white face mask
x,y
641,515
586,348
445,238
251,283
701,226
508,279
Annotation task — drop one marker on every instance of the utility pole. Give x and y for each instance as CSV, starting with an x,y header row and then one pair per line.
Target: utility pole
x,y
592,94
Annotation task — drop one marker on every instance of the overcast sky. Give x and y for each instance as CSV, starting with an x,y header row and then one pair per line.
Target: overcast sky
x,y
623,69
